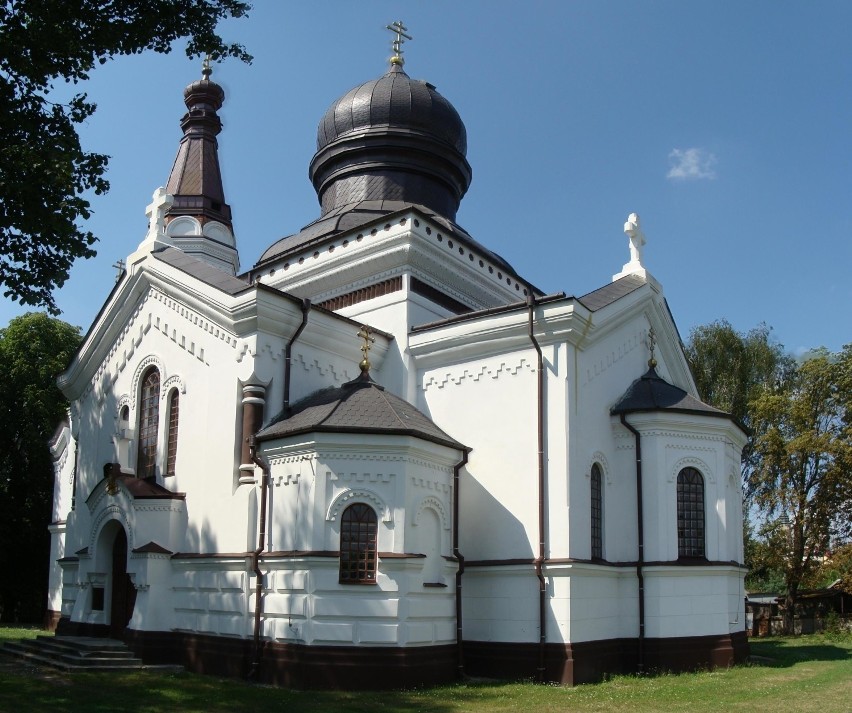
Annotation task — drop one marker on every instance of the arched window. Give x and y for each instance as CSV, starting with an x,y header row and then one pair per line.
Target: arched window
x,y
597,513
358,548
690,513
172,440
149,418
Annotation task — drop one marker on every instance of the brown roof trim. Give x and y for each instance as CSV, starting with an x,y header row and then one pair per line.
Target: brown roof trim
x,y
512,307
499,563
210,556
152,548
286,554
692,562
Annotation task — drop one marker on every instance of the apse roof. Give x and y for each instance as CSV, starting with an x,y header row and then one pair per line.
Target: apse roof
x,y
359,406
650,392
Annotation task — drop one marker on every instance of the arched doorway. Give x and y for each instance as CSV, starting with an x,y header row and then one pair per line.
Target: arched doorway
x,y
123,596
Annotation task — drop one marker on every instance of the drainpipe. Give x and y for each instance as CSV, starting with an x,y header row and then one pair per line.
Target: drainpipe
x,y
542,585
460,571
288,350
255,558
641,537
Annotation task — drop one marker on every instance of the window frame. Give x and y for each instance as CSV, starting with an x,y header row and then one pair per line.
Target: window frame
x,y
596,511
359,537
172,431
148,430
691,514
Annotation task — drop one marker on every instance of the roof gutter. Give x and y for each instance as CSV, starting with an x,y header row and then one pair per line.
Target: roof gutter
x,y
255,557
640,527
460,571
542,544
288,352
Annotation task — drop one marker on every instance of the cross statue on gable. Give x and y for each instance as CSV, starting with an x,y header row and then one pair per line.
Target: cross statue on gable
x,y
401,32
637,238
156,212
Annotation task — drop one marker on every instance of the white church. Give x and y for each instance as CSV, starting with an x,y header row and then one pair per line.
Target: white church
x,y
380,457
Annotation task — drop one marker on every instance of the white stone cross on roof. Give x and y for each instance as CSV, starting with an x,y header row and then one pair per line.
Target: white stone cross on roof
x,y
156,212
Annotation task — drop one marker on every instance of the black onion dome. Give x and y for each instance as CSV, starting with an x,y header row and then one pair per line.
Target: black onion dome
x,y
393,99
204,94
393,138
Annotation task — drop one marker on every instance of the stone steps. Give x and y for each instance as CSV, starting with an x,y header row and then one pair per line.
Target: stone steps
x,y
79,653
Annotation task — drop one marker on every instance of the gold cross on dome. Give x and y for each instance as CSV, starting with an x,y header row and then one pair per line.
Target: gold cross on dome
x,y
364,334
401,32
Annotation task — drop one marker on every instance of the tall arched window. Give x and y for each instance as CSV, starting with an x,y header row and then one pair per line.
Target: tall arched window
x,y
597,513
149,419
172,439
358,545
690,513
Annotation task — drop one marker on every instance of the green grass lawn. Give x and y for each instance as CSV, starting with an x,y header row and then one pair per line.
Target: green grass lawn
x,y
809,673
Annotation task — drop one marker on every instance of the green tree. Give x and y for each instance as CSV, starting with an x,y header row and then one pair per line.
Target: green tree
x,y
802,450
34,349
45,174
731,368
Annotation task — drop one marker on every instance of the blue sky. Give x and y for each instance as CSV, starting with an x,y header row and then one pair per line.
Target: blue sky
x,y
724,124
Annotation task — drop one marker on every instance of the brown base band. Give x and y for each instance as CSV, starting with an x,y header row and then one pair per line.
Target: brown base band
x,y
383,668
51,619
590,661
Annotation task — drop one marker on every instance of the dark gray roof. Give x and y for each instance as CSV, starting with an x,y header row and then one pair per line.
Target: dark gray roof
x,y
355,215
650,392
359,406
201,270
606,295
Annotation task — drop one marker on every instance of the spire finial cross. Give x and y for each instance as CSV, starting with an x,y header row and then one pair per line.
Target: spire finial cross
x,y
206,69
402,35
652,343
119,265
364,333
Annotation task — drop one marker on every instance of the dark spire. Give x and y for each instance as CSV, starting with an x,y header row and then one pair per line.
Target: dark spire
x,y
195,180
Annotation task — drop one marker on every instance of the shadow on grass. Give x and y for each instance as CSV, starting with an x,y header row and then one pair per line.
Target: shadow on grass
x,y
785,652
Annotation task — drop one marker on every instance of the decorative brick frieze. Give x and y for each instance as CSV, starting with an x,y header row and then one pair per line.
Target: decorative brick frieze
x,y
475,374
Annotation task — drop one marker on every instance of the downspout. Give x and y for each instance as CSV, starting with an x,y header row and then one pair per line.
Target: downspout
x,y
460,571
255,559
288,352
539,560
641,537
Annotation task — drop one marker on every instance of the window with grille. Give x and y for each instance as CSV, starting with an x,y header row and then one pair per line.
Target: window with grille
x,y
172,441
690,513
597,513
149,418
358,545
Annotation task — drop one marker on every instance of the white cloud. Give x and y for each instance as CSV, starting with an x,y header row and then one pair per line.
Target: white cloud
x,y
691,165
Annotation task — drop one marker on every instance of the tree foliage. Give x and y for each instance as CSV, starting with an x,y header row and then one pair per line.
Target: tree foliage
x,y
45,174
802,454
34,349
731,368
